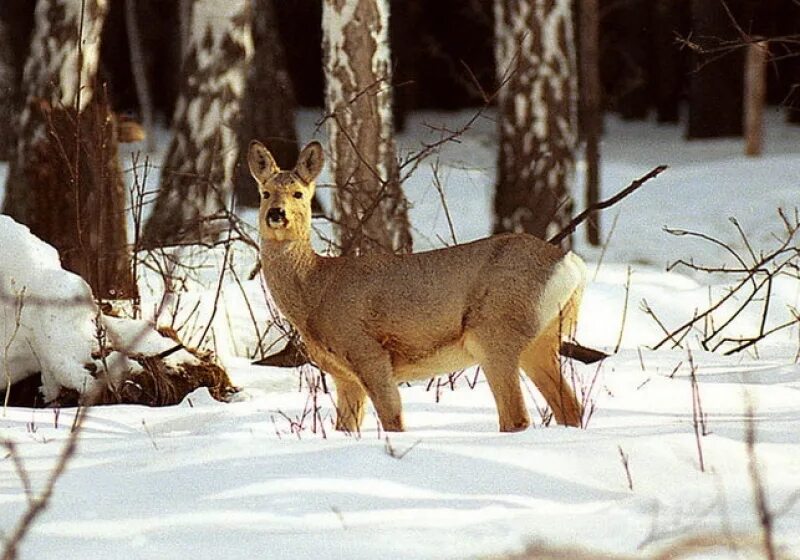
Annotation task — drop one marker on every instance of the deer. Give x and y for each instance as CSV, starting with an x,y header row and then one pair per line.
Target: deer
x,y
375,320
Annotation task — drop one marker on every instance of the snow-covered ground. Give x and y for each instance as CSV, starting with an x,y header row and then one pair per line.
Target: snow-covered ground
x,y
265,477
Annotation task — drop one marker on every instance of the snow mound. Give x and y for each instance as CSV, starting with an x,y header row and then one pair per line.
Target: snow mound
x,y
51,324
48,315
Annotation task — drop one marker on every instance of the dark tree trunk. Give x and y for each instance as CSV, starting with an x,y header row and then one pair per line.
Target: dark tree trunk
x,y
628,28
371,209
403,36
16,24
667,78
304,58
158,26
715,95
591,109
65,180
268,106
536,116
197,174
9,92
792,99
139,71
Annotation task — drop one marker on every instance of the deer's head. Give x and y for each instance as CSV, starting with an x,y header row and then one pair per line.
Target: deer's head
x,y
285,211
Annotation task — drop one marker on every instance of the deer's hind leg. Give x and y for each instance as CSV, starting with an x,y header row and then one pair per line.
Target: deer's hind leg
x,y
540,361
499,360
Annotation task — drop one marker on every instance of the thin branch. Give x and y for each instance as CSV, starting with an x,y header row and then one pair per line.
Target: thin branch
x,y
580,218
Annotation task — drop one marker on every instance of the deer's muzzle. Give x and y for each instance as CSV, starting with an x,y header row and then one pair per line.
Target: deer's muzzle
x,y
276,217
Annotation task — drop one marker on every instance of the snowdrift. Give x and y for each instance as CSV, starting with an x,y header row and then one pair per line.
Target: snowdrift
x,y
52,328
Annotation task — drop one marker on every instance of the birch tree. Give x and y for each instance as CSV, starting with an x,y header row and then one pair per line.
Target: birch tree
x,y
196,180
64,180
535,55
371,209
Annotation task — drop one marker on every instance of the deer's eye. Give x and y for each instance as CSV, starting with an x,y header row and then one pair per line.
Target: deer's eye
x,y
265,194
298,194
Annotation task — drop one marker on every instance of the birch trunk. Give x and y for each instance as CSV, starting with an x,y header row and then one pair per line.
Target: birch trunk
x,y
65,180
371,209
537,121
197,174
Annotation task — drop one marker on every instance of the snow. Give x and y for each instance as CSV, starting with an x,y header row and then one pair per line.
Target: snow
x,y
264,476
48,314
51,324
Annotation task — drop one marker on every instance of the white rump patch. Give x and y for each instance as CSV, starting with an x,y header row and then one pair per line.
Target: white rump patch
x,y
568,275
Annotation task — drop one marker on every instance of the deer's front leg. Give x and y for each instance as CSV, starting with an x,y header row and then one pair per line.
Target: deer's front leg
x,y
373,368
350,401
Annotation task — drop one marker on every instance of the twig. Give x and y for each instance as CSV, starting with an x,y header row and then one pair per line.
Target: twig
x,y
765,516
580,218
758,275
439,189
624,310
624,458
698,421
394,453
605,245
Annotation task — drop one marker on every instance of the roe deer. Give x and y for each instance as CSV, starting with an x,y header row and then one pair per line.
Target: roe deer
x,y
375,320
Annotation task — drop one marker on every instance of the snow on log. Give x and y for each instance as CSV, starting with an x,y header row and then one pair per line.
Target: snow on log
x,y
51,327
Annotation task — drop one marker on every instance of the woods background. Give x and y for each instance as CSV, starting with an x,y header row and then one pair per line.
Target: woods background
x,y
221,73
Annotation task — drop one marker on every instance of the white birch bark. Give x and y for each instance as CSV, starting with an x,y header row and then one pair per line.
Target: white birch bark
x,y
196,180
53,77
57,73
65,181
535,54
371,210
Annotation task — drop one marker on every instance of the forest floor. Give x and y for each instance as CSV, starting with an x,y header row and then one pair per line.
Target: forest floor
x,y
266,476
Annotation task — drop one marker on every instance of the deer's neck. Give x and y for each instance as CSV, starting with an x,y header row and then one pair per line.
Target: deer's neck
x,y
288,268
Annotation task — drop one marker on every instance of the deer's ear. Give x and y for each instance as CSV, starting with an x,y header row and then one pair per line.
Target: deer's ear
x,y
310,162
262,164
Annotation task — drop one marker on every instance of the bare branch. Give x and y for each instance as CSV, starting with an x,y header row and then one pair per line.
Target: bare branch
x,y
580,218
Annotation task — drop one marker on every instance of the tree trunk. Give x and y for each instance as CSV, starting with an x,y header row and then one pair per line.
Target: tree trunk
x,y
793,98
371,210
268,107
755,96
403,35
8,87
669,18
65,180
591,109
139,72
628,26
715,93
197,174
536,115
16,23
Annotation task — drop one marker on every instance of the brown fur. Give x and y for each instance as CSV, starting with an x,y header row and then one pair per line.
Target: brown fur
x,y
375,320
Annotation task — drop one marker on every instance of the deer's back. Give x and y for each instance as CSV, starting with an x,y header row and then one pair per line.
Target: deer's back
x,y
426,300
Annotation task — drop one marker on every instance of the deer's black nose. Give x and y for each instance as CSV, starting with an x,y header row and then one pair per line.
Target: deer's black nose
x,y
276,215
